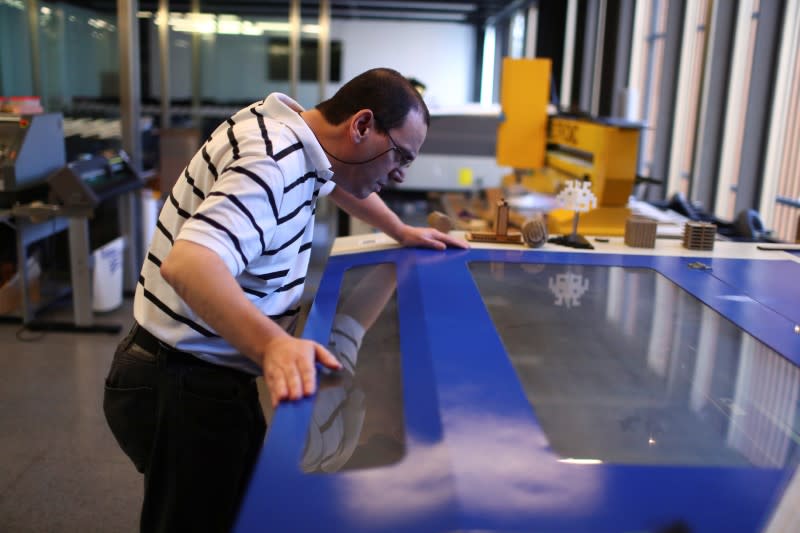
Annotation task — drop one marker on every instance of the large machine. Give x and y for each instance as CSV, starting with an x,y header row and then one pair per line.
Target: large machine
x,y
31,148
547,151
459,152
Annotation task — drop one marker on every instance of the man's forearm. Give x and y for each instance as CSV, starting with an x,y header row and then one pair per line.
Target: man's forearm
x,y
371,210
213,293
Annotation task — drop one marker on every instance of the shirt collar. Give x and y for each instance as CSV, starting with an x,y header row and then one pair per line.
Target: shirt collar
x,y
288,111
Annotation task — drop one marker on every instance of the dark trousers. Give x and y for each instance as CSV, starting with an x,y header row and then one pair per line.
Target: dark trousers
x,y
193,429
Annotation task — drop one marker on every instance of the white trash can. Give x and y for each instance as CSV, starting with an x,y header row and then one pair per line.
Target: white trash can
x,y
107,278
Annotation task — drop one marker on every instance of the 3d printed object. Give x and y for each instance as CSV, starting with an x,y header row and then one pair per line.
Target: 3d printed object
x,y
501,233
699,235
534,231
640,232
440,221
576,196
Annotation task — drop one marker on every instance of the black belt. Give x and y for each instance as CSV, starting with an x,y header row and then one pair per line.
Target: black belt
x,y
153,345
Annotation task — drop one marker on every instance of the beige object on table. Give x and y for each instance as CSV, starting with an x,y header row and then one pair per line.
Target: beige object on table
x,y
440,221
640,232
699,235
534,231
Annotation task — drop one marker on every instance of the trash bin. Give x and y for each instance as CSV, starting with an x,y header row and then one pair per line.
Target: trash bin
x,y
107,277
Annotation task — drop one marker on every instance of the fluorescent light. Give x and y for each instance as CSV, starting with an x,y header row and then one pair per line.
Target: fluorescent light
x,y
229,25
404,15
207,24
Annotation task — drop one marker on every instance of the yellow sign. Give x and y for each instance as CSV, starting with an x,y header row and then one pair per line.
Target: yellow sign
x,y
465,177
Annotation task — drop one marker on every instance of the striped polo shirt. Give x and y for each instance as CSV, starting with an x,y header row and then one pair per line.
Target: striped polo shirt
x,y
250,195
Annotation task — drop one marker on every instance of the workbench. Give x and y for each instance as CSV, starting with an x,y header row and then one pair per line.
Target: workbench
x,y
512,389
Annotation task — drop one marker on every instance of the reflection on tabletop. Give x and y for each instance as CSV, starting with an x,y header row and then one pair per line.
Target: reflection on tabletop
x,y
357,420
621,365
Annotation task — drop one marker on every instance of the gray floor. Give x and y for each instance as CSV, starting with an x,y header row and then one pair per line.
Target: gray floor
x,y
60,467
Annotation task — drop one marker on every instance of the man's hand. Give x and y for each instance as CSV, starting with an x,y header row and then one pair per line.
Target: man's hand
x,y
429,238
288,366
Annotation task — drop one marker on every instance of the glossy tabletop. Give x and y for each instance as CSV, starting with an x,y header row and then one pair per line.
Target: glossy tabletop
x,y
524,390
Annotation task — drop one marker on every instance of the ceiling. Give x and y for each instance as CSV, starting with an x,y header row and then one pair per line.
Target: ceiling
x,y
463,11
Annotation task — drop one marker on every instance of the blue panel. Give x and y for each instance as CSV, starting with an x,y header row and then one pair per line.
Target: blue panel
x,y
415,494
767,282
477,458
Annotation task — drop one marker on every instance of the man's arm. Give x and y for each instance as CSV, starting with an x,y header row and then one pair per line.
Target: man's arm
x,y
375,212
213,293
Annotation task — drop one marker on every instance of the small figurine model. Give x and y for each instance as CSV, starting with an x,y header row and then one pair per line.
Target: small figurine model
x,y
534,231
577,196
501,233
699,235
640,232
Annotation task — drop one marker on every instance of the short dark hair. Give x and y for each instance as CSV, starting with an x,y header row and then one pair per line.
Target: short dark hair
x,y
386,92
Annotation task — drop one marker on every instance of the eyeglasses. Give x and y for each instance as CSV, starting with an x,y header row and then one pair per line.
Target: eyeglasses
x,y
403,158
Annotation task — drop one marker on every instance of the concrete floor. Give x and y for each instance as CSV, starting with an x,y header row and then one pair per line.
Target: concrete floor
x,y
60,468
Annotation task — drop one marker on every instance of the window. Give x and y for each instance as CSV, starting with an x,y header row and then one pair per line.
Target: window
x,y
688,97
646,72
780,197
278,59
738,91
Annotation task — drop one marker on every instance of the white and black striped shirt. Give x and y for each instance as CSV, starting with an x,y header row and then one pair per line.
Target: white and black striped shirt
x,y
250,195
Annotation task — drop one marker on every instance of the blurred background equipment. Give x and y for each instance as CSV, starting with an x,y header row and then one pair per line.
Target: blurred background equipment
x,y
31,148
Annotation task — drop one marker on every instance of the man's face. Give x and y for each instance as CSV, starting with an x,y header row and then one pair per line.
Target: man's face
x,y
400,146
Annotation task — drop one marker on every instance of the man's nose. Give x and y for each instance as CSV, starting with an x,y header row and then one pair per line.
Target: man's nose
x,y
397,175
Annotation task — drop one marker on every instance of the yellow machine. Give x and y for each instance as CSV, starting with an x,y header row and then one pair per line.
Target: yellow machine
x,y
524,94
603,153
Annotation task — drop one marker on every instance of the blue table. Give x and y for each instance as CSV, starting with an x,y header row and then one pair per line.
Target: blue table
x,y
543,391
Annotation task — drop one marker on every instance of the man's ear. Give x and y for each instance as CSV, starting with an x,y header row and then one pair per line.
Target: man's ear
x,y
361,124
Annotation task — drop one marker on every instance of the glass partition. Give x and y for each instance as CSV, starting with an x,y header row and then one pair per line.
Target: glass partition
x,y
16,78
358,412
621,365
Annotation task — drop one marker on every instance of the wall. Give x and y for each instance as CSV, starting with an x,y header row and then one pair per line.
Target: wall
x,y
76,58
79,60
441,55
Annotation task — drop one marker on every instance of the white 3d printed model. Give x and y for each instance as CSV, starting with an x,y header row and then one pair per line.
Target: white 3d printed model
x,y
577,196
